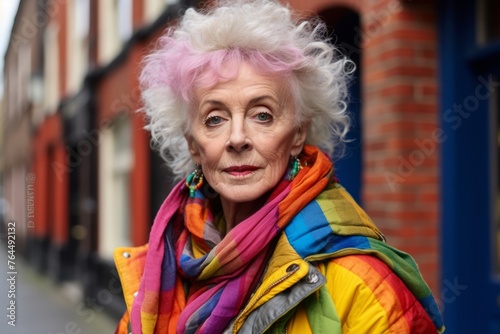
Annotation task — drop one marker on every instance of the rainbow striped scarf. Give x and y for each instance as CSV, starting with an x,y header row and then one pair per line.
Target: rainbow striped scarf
x,y
221,271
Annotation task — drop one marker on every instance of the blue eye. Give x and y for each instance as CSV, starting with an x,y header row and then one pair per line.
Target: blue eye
x,y
264,117
213,120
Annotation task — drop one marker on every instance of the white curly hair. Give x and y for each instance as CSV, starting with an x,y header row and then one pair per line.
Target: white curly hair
x,y
317,73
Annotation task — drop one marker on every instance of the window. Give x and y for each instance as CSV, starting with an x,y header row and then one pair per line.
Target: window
x,y
23,75
123,10
153,9
115,27
82,17
122,166
77,43
115,166
51,65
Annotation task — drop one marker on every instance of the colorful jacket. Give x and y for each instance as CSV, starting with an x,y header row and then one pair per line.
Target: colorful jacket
x,y
338,293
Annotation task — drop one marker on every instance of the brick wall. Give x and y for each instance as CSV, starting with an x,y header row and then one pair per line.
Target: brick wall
x,y
398,41
401,186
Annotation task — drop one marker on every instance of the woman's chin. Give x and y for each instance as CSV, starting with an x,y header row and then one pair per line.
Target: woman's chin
x,y
240,197
242,193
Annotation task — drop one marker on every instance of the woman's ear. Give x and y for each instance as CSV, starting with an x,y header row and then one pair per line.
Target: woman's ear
x,y
193,149
299,140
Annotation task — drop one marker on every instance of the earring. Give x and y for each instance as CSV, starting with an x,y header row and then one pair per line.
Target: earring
x,y
194,181
295,169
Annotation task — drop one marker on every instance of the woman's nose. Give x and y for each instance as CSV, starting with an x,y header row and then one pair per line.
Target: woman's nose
x,y
238,138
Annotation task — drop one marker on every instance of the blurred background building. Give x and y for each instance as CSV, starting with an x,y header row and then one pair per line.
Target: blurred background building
x,y
78,173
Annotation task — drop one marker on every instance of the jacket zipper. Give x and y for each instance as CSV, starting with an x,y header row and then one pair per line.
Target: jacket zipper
x,y
286,326
292,306
272,285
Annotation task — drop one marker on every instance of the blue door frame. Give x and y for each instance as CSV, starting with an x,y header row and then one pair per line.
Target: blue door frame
x,y
469,292
349,168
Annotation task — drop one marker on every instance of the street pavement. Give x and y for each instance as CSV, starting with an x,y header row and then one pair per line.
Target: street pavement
x,y
42,307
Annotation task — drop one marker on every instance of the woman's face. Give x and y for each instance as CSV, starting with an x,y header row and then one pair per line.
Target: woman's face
x,y
243,134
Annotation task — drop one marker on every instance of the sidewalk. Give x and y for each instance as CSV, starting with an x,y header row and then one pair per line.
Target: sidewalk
x,y
41,307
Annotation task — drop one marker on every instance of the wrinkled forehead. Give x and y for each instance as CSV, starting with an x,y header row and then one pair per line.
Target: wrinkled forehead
x,y
246,83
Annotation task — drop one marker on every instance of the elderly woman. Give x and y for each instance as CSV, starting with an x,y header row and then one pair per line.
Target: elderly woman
x,y
247,105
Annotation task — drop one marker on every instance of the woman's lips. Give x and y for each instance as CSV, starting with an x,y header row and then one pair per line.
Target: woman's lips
x,y
240,170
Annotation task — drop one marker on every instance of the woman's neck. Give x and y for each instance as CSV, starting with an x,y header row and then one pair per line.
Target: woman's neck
x,y
235,213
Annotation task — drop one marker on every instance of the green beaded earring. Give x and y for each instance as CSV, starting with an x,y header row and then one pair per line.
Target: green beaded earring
x,y
194,181
295,169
